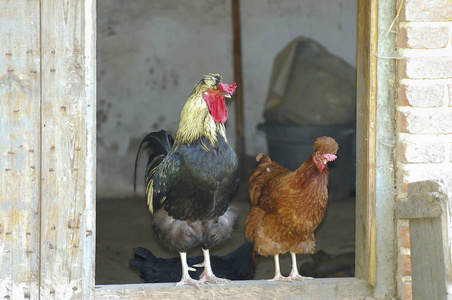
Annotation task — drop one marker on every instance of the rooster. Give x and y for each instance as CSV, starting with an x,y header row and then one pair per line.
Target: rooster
x,y
240,264
288,206
189,180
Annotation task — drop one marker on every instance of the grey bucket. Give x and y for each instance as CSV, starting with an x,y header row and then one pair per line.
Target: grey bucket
x,y
290,146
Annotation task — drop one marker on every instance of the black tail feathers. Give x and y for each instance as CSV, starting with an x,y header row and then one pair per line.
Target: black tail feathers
x,y
141,259
142,255
160,143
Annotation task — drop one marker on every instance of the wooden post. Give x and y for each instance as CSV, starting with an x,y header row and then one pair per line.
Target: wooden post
x,y
366,258
19,149
428,210
47,142
240,148
67,226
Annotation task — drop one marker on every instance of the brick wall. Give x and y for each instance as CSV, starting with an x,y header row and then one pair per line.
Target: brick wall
x,y
424,108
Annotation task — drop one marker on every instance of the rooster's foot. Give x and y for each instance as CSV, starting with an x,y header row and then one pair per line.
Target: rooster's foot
x,y
212,279
189,281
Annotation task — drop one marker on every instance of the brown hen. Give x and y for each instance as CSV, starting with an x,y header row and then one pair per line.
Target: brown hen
x,y
288,206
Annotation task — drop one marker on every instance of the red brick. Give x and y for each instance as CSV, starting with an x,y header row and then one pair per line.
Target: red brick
x,y
427,11
426,36
421,152
408,291
426,67
405,237
421,95
406,265
425,120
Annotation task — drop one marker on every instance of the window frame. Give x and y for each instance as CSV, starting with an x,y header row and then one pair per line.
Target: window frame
x,y
365,282
62,254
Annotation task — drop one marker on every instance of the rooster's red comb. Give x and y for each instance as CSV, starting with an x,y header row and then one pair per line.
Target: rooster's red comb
x,y
228,88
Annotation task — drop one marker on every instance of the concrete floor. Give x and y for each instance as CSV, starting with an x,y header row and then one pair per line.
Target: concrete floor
x,y
123,224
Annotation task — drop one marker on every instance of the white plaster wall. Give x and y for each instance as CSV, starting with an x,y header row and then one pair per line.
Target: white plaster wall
x,y
152,52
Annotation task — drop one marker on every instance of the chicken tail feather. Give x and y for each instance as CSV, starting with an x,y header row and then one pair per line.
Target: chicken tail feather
x,y
146,263
160,143
260,156
143,254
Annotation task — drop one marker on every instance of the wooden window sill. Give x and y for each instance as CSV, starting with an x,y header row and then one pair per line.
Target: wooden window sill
x,y
324,288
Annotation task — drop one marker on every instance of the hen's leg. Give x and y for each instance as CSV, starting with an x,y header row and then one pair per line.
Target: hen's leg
x,y
207,275
278,276
186,279
294,274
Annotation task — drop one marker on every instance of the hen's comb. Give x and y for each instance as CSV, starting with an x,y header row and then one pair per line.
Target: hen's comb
x,y
329,157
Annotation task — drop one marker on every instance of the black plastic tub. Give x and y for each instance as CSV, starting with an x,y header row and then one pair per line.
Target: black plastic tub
x,y
290,146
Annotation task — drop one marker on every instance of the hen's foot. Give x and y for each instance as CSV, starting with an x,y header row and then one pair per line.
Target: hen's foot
x,y
190,281
294,275
280,278
212,278
298,277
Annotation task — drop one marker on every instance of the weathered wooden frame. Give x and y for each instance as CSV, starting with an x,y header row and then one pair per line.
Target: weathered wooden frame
x,y
47,221
427,208
47,179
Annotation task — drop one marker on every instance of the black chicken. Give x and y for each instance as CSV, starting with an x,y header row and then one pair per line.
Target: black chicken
x,y
240,264
189,180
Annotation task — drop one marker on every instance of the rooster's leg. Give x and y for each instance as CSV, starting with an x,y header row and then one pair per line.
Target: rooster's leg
x,y
278,276
186,279
207,275
294,274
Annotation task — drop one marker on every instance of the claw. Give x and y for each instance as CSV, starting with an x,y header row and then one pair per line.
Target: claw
x,y
186,279
211,278
189,281
191,269
294,273
280,278
298,277
208,275
200,265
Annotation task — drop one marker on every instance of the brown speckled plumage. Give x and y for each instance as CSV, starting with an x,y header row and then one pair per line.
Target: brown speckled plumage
x,y
288,206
